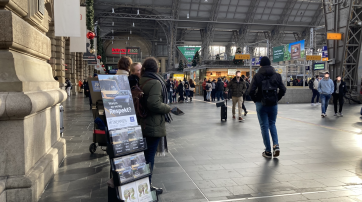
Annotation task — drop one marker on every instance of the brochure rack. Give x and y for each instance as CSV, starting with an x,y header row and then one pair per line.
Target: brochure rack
x,y
125,145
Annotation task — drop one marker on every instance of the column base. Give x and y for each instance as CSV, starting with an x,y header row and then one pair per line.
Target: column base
x,y
30,187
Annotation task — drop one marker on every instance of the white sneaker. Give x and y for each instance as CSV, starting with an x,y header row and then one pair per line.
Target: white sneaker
x,y
336,114
322,115
312,104
340,114
318,103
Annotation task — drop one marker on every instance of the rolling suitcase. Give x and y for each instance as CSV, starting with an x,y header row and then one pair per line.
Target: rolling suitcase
x,y
224,111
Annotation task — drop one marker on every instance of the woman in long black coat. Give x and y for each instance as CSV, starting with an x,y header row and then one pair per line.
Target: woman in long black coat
x,y
180,90
86,88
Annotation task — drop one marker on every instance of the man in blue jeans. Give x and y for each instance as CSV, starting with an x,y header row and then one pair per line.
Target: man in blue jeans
x,y
266,107
325,88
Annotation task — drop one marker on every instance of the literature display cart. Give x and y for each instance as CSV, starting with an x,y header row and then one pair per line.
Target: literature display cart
x,y
125,143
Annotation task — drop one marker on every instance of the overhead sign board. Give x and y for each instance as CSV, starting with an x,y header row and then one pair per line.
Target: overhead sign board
x,y
242,56
278,54
189,52
232,72
334,36
314,57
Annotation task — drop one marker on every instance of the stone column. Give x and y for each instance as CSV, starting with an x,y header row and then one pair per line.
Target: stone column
x,y
74,77
91,70
59,59
163,65
68,60
31,148
51,35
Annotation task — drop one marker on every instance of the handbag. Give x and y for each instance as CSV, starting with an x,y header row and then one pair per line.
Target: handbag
x,y
192,89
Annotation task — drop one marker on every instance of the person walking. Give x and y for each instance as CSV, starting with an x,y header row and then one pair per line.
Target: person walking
x,y
244,95
213,92
180,90
68,87
325,88
340,90
204,88
187,89
264,92
80,84
170,87
208,88
237,87
219,89
315,90
174,94
158,112
86,88
191,89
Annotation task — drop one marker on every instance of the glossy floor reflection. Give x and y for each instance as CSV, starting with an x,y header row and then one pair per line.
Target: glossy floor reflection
x,y
210,160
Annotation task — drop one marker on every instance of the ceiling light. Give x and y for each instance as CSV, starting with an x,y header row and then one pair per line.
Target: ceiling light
x,y
205,0
112,10
112,23
130,31
138,11
156,43
112,42
112,37
128,38
126,42
188,16
160,39
112,31
133,24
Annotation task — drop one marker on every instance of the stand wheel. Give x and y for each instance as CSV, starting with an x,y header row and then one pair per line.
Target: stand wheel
x,y
61,134
92,148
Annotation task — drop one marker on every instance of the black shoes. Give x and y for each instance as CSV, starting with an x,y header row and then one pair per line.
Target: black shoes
x,y
158,190
276,151
245,113
267,154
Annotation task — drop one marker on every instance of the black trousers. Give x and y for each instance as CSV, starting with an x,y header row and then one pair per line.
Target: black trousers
x,y
338,98
243,106
213,94
205,95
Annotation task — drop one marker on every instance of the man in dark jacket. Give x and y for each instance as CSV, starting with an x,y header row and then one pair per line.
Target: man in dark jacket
x,y
267,115
340,90
237,87
219,89
170,87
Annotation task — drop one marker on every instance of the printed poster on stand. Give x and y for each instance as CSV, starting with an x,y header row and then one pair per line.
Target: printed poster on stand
x,y
117,101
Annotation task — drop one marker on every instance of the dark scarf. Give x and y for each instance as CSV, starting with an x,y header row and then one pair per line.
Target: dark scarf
x,y
156,76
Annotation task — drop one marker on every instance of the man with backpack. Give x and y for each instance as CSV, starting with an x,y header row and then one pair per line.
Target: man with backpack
x,y
264,92
237,87
313,85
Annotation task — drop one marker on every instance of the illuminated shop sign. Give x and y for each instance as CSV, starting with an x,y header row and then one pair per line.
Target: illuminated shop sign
x,y
125,51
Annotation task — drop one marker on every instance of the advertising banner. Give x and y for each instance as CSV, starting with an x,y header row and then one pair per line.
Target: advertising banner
x,y
117,101
77,43
188,52
90,57
278,54
295,51
325,53
232,72
65,11
253,61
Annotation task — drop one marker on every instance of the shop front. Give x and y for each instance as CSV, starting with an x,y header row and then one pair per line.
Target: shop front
x,y
225,73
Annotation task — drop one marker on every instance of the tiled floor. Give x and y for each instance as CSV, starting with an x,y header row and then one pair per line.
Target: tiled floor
x,y
210,160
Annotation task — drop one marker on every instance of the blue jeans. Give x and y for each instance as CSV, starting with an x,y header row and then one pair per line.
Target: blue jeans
x,y
208,95
325,100
267,116
170,96
315,94
150,153
219,94
187,92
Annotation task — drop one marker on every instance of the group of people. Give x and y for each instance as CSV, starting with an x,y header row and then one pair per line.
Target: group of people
x,y
185,89
324,88
235,89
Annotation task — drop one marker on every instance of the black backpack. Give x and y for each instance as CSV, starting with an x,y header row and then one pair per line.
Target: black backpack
x,y
311,84
207,87
269,91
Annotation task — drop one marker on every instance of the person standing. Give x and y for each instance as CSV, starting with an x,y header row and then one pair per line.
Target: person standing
x,y
325,88
170,87
315,91
340,90
158,112
191,89
244,95
186,87
86,88
204,88
219,89
80,84
180,90
208,88
68,86
213,92
237,87
266,102
135,74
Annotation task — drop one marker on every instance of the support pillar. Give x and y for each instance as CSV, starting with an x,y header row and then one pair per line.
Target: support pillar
x,y
59,59
68,61
74,78
31,148
163,65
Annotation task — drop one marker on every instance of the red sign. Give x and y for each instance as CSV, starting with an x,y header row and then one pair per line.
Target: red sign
x,y
119,51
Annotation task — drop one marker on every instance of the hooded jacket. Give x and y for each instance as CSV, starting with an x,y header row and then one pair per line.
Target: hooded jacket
x,y
237,88
219,85
255,91
342,88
